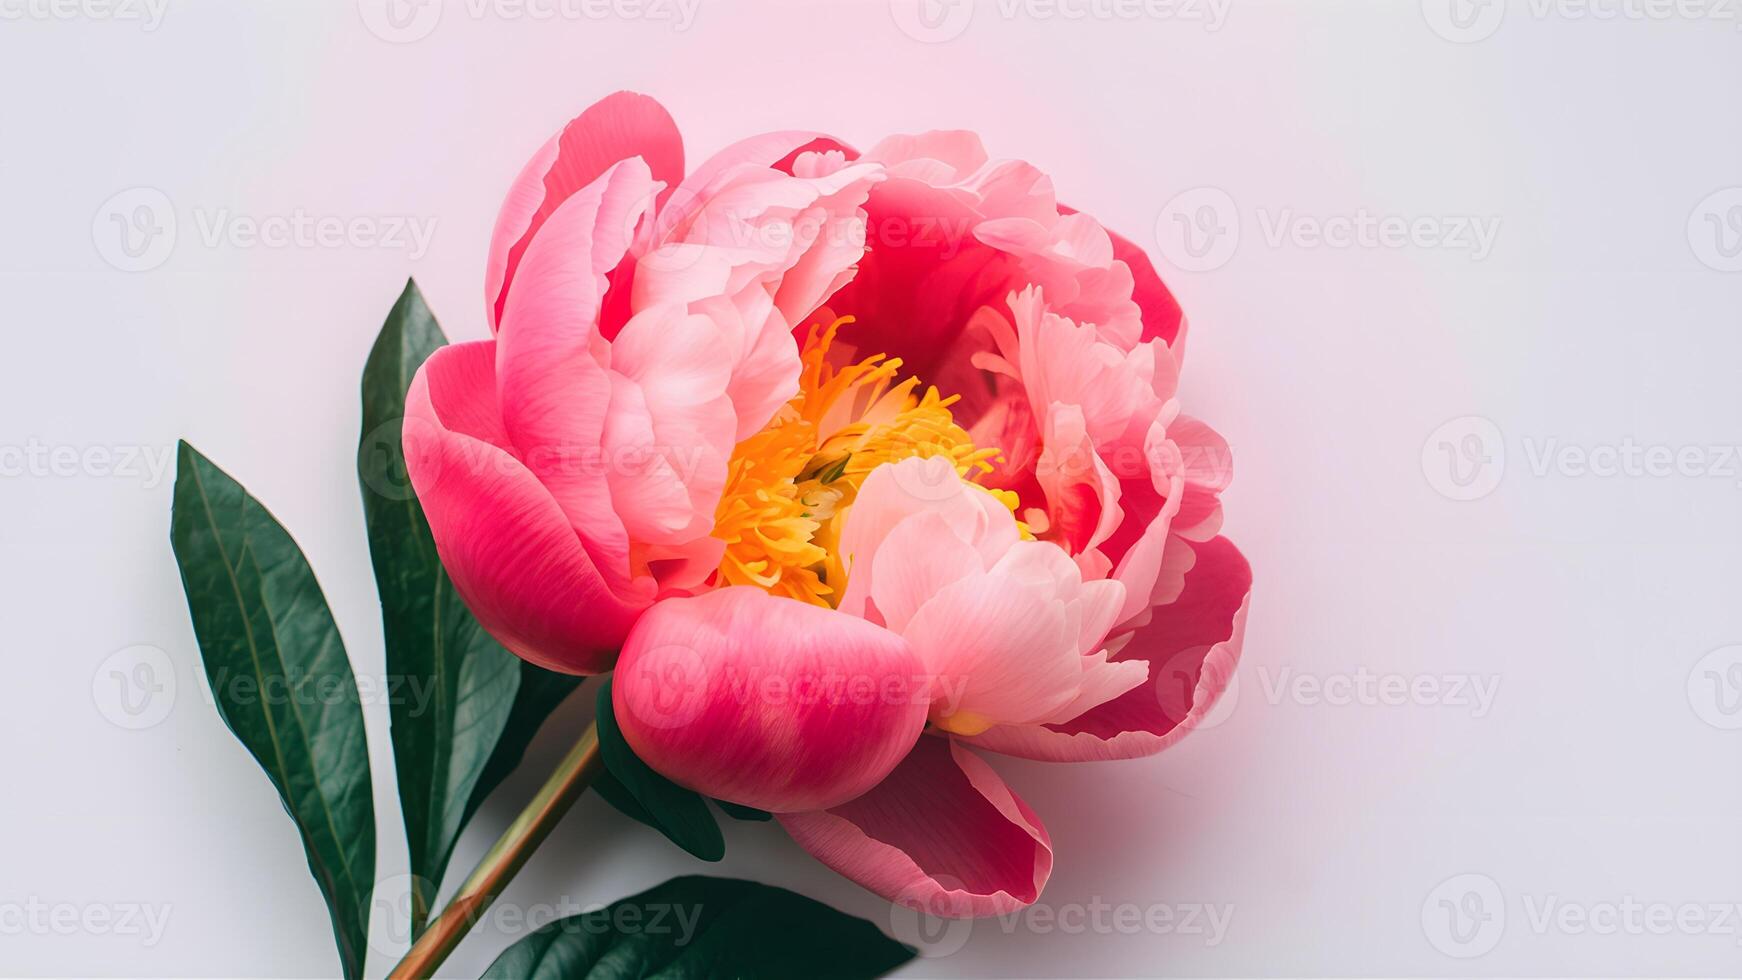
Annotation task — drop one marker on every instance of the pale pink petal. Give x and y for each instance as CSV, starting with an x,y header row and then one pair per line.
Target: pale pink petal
x,y
942,834
508,547
1191,646
615,128
919,557
1003,650
671,425
894,492
765,701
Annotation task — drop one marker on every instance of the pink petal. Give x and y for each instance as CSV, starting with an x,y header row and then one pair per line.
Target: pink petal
x,y
615,128
766,701
554,391
507,545
941,834
670,428
895,492
1192,646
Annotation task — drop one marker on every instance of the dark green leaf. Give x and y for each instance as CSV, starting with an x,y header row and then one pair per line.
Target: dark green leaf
x,y
699,928
281,681
463,708
678,813
738,811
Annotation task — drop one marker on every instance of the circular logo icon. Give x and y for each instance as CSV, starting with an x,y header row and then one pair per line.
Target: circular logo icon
x,y
1464,916
918,917
1199,230
1464,21
1715,688
382,461
134,687
1177,684
932,21
390,912
1715,230
400,21
1465,458
678,683
134,230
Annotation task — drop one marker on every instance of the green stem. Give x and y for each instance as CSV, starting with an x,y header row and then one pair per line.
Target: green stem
x,y
504,860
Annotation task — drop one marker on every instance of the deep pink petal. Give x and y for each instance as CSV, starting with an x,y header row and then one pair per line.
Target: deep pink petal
x,y
613,129
941,834
507,545
767,701
1192,645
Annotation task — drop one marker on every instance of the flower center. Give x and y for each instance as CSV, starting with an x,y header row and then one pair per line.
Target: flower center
x,y
788,487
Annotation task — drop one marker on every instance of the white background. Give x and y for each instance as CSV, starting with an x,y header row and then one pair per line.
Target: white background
x,y
1606,768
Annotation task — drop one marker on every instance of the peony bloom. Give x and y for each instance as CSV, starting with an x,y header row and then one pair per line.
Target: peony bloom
x,y
864,462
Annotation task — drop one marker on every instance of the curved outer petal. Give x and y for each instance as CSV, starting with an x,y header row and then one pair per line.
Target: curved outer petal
x,y
942,834
552,383
1192,645
615,128
766,701
507,545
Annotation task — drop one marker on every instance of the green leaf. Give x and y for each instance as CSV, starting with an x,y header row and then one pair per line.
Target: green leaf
x,y
463,708
738,811
699,928
678,813
281,681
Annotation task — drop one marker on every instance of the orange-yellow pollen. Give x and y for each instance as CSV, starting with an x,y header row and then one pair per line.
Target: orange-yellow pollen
x,y
788,487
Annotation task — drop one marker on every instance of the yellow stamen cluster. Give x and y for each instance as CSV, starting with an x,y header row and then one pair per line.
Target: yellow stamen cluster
x,y
788,487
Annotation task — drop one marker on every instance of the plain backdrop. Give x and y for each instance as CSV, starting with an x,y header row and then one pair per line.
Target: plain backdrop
x,y
1462,280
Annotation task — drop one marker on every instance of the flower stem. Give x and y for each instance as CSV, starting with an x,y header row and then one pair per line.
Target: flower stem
x,y
504,860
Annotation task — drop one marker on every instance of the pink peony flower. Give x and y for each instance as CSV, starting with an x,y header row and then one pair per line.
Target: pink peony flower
x,y
862,461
